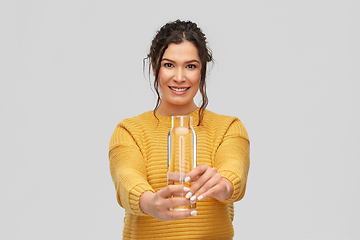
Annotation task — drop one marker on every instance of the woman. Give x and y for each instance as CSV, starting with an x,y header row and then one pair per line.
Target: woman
x,y
138,149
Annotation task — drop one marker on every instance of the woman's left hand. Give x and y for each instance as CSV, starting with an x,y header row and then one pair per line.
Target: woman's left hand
x,y
208,182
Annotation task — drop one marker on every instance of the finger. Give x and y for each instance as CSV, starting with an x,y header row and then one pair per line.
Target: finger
x,y
203,179
209,186
194,174
183,193
174,176
212,192
176,202
174,215
172,190
164,205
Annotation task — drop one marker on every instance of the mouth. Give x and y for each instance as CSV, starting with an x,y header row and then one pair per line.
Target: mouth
x,y
179,89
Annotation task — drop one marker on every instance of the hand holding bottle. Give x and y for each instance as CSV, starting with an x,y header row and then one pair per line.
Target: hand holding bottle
x,y
159,204
208,182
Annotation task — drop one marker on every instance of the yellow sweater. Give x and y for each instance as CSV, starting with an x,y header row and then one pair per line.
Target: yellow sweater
x,y
138,163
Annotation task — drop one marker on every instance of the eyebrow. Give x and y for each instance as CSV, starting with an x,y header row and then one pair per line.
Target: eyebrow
x,y
166,59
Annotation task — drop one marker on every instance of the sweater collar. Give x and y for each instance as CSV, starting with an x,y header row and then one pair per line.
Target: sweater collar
x,y
167,120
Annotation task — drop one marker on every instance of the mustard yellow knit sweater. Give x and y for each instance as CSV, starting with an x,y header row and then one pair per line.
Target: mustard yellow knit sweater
x,y
138,163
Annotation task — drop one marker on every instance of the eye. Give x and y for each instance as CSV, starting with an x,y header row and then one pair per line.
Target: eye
x,y
168,65
191,66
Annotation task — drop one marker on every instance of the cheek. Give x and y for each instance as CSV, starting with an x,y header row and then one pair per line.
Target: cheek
x,y
164,75
162,82
161,85
161,78
195,79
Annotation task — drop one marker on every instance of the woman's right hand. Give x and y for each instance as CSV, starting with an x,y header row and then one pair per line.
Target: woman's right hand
x,y
158,204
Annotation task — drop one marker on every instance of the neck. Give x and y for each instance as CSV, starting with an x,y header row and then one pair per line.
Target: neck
x,y
167,110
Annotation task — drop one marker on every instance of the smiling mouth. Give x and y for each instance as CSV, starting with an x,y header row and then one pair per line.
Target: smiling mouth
x,y
179,89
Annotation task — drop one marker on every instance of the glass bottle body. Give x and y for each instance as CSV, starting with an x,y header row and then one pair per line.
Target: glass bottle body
x,y
181,154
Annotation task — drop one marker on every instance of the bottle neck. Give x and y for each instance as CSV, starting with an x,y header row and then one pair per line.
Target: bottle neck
x,y
181,121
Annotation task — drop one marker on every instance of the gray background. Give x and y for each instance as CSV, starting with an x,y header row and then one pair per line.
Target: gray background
x,y
70,70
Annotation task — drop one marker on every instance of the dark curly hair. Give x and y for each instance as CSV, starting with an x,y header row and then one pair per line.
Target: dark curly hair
x,y
178,32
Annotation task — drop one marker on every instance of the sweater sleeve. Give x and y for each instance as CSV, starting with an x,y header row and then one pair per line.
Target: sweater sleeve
x,y
232,158
128,170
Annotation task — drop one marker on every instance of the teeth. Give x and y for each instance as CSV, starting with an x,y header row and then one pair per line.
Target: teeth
x,y
179,89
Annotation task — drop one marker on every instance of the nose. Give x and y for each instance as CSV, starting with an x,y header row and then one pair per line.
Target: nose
x,y
179,76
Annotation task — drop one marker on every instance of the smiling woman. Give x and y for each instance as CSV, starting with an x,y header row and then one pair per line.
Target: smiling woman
x,y
179,79
138,149
181,33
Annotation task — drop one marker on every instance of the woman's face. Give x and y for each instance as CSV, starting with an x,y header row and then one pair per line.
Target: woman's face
x,y
179,77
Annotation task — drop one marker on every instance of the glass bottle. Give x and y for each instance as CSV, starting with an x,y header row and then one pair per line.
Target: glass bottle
x,y
181,157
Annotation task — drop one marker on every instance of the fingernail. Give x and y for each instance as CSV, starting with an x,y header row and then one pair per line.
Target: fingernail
x,y
187,179
200,198
188,195
193,213
193,198
186,189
